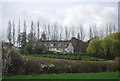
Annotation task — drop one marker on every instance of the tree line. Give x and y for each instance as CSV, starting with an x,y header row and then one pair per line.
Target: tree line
x,y
105,48
19,34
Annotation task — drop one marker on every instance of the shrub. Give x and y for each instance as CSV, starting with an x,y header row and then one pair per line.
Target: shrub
x,y
11,61
17,63
34,49
38,49
28,48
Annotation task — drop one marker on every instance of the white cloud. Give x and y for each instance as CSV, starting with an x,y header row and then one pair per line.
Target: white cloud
x,y
90,14
73,15
63,13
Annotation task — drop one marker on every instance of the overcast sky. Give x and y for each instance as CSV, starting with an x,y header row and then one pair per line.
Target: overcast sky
x,y
65,13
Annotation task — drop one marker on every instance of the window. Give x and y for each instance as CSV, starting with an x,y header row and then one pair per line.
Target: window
x,y
51,44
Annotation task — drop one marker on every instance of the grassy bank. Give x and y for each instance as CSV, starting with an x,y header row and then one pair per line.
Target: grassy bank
x,y
102,75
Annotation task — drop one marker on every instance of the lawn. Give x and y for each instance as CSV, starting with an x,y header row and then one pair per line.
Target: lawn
x,y
102,75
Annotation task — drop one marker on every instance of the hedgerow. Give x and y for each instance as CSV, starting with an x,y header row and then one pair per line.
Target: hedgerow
x,y
29,66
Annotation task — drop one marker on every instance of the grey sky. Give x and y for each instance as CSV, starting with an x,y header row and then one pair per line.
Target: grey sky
x,y
65,13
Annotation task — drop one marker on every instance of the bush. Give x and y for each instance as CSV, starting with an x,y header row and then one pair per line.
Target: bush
x,y
28,48
38,49
11,61
31,49
16,67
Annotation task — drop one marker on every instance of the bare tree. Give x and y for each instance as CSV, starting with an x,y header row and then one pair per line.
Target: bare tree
x,y
34,33
78,35
38,30
95,32
49,32
73,31
9,36
46,29
107,29
110,28
60,33
55,34
114,28
30,37
24,33
82,33
90,33
13,33
101,33
19,30
43,36
66,33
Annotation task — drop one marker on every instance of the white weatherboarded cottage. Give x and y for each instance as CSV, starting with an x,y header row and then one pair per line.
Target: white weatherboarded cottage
x,y
59,46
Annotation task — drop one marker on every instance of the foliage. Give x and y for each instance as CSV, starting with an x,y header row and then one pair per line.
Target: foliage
x,y
38,65
11,61
111,45
22,39
94,47
29,48
6,58
16,67
37,49
114,42
108,47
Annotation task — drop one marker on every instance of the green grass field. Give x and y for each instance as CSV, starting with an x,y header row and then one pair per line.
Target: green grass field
x,y
31,57
102,75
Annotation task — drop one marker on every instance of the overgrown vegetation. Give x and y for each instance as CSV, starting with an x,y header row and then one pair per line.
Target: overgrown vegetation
x,y
38,65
